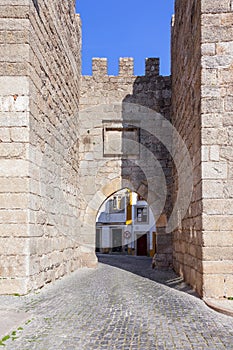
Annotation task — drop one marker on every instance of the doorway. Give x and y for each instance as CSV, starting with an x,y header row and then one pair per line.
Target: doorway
x,y
142,245
98,239
117,240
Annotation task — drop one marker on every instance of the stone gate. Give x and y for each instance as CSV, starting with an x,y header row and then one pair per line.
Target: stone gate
x,y
122,142
68,142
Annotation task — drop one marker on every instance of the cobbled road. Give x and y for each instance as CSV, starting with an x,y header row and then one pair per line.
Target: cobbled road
x,y
123,304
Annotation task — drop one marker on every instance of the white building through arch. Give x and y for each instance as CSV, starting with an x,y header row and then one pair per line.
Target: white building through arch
x,y
125,224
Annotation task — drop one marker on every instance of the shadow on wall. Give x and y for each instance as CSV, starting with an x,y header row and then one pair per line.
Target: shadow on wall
x,y
35,3
153,92
151,102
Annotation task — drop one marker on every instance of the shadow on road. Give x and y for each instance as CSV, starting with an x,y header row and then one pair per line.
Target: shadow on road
x,y
142,266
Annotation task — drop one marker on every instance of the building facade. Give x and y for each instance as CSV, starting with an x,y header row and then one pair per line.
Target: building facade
x,y
125,224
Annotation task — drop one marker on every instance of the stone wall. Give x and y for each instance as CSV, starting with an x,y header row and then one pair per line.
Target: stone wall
x,y
110,108
186,118
39,96
202,50
14,137
217,150
58,163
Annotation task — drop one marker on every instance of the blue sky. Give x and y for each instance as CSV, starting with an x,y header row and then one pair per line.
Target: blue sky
x,y
126,28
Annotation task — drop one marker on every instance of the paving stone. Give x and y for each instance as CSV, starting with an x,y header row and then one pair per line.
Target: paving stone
x,y
117,308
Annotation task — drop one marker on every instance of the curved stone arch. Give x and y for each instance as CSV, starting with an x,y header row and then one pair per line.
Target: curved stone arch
x,y
99,198
115,185
101,169
111,186
157,125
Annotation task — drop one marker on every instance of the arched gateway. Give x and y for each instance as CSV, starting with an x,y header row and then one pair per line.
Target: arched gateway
x,y
68,141
126,145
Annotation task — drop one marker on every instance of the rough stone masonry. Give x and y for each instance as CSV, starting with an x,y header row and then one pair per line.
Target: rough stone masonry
x,y
54,173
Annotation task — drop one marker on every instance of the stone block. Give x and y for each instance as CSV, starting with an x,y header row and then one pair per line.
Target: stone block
x,y
187,273
14,201
217,253
14,168
14,86
14,185
5,135
228,103
13,246
228,191
17,37
193,250
218,267
14,216
12,150
210,136
14,69
229,284
213,285
219,206
214,170
13,266
14,119
214,153
226,19
217,239
13,230
225,76
210,91
208,49
217,33
14,286
99,67
230,171
212,188
217,61
210,76
217,223
36,267
14,24
126,66
88,259
224,48
12,11
205,151
215,6
15,2
152,67
14,103
212,105
19,134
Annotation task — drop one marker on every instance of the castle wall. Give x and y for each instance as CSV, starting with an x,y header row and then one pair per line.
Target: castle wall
x,y
202,112
113,103
217,150
14,145
186,118
39,95
68,142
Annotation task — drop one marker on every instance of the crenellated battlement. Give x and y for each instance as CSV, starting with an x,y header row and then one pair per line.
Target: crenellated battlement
x,y
126,67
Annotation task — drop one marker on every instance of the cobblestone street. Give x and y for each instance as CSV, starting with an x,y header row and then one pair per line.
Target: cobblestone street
x,y
113,308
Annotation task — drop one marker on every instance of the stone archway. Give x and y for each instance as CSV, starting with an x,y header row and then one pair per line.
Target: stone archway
x,y
88,224
126,145
158,240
